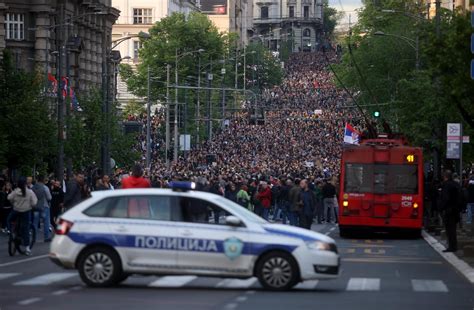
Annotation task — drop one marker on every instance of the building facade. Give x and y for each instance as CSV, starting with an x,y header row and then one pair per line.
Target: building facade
x,y
64,38
137,16
231,16
296,22
450,5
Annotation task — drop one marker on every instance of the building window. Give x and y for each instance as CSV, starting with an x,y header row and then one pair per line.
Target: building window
x,y
307,32
291,11
306,11
137,45
264,12
142,16
15,26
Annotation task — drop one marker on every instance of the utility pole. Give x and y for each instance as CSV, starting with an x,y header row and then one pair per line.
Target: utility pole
x,y
438,18
61,133
148,121
198,110
209,110
167,145
175,153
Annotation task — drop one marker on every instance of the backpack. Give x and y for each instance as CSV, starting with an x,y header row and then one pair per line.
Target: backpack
x,y
38,189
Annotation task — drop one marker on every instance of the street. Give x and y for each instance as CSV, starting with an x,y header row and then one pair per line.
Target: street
x,y
377,273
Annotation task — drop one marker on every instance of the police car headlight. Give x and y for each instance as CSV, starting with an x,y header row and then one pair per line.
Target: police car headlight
x,y
318,245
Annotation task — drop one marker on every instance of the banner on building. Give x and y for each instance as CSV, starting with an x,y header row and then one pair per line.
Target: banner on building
x,y
214,7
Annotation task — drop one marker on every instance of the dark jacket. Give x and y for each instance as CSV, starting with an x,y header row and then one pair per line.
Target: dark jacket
x,y
308,199
294,197
328,191
451,199
73,194
470,191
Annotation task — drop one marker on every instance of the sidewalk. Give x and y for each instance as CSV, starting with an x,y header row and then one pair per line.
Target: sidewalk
x,y
463,259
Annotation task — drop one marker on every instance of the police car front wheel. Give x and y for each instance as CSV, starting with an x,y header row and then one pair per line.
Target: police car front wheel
x,y
277,271
100,267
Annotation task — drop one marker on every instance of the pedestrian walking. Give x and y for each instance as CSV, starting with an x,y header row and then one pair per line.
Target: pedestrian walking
x,y
470,199
57,201
23,200
42,210
451,204
5,204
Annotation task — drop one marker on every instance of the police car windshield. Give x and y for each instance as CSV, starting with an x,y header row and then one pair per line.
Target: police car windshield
x,y
241,211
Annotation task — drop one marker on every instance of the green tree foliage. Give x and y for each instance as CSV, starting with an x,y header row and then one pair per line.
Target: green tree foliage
x,y
331,17
418,103
27,132
133,107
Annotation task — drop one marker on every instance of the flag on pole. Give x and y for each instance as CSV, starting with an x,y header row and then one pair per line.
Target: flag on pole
x,y
64,87
74,102
54,83
351,136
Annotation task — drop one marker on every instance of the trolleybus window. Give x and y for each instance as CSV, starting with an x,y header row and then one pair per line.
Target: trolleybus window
x,y
381,179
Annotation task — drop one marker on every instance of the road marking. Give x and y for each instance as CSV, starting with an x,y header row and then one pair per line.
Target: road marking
x,y
250,292
390,261
374,241
429,286
23,260
377,252
230,306
350,251
236,283
172,281
4,276
29,301
307,285
60,292
47,278
363,284
76,288
241,299
459,264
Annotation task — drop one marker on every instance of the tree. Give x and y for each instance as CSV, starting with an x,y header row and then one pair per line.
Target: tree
x,y
133,107
27,131
330,18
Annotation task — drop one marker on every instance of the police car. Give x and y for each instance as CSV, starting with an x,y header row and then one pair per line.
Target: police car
x,y
115,234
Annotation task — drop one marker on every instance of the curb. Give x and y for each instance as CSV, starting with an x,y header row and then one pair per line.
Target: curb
x,y
460,265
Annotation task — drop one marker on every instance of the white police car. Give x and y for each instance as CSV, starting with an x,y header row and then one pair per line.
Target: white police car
x,y
162,231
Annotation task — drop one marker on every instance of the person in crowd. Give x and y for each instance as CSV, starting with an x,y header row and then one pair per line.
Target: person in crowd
x,y
57,201
243,198
23,200
42,208
295,202
5,205
104,184
451,204
136,180
231,193
319,201
284,200
74,191
470,199
264,196
329,195
308,203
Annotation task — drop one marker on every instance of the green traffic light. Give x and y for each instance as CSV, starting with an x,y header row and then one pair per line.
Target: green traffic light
x,y
376,113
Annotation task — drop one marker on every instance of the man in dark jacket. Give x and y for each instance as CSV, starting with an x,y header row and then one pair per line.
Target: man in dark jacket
x,y
73,194
329,202
308,202
294,199
450,205
470,199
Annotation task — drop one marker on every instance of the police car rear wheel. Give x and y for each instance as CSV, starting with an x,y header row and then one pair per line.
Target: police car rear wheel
x,y
277,271
99,267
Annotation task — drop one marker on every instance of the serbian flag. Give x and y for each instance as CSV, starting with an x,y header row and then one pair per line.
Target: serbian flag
x,y
54,82
351,136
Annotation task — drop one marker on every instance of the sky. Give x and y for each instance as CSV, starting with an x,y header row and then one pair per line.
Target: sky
x,y
349,6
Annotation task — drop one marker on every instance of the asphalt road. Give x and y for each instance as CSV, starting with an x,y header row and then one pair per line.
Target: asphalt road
x,y
378,273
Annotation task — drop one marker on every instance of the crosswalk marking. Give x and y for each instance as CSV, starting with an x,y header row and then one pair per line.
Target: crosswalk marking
x,y
307,285
363,284
172,281
236,283
429,286
47,279
7,275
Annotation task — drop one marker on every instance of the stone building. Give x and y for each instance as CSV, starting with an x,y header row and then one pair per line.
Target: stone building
x,y
62,37
299,22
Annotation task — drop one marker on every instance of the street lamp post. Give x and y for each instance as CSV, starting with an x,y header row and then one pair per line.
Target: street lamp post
x,y
148,121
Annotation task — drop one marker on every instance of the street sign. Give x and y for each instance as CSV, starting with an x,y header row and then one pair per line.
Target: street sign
x,y
453,141
185,142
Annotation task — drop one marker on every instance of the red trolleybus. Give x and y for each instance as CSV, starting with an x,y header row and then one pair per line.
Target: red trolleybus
x,y
381,186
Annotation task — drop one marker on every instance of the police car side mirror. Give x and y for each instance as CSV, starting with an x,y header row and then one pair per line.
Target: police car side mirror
x,y
233,221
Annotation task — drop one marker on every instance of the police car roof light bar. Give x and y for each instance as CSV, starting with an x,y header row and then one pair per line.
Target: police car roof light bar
x,y
182,186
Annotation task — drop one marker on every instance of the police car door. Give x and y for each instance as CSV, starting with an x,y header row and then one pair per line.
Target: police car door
x,y
207,244
142,228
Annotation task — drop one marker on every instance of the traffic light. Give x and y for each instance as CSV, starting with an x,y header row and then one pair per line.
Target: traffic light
x,y
376,114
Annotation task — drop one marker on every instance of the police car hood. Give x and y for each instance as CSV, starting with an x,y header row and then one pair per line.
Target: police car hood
x,y
291,231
